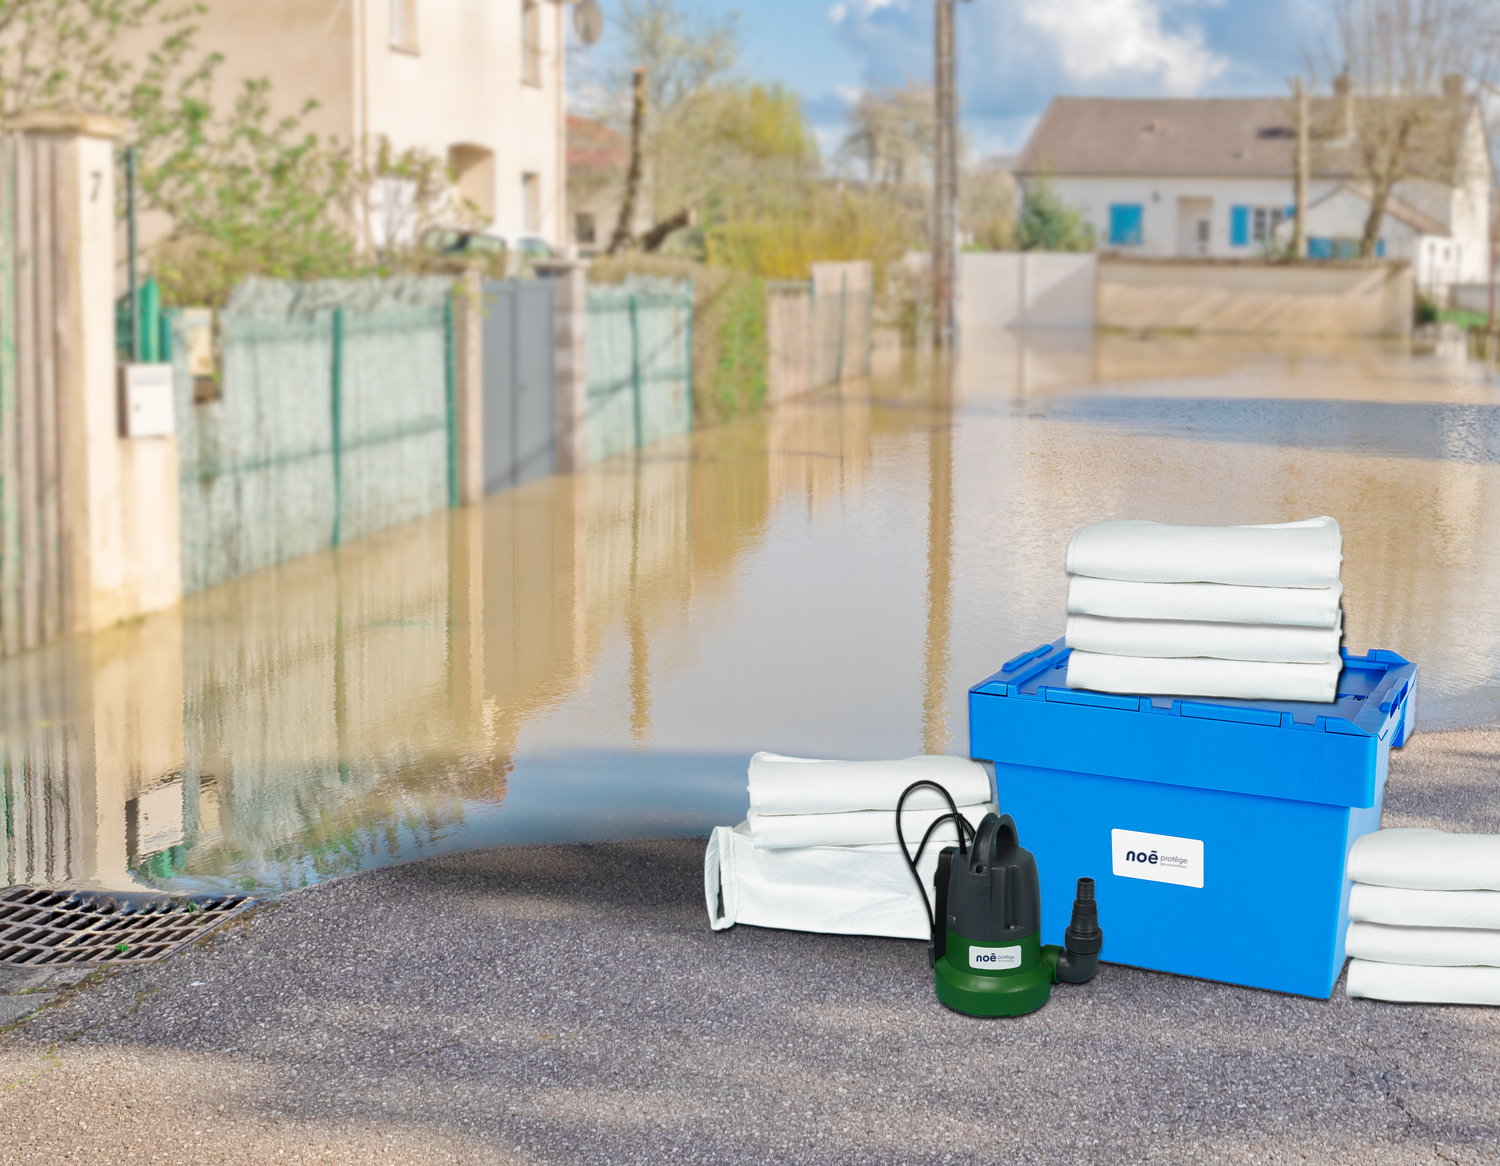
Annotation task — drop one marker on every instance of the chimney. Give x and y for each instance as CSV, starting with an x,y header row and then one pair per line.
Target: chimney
x,y
1343,91
1453,87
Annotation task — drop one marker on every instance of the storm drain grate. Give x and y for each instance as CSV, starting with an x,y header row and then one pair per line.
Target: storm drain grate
x,y
68,929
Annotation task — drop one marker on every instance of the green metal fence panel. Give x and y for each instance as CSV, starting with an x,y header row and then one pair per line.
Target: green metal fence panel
x,y
332,422
640,365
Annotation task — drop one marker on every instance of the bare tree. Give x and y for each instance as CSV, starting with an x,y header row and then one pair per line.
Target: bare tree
x,y
891,132
682,53
1403,65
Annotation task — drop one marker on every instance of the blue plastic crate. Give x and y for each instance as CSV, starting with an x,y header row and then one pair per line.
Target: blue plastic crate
x,y
1249,808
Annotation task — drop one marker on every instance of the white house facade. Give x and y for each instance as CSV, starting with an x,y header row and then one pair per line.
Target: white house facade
x,y
1215,178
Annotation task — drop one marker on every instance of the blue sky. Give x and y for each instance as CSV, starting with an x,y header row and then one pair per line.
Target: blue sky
x,y
1016,54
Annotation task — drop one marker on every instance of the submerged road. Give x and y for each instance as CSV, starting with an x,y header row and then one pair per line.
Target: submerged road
x,y
570,1004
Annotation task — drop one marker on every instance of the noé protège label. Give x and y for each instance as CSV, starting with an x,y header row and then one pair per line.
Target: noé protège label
x,y
994,958
1159,858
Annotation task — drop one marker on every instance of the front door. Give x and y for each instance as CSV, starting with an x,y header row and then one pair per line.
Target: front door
x,y
1195,226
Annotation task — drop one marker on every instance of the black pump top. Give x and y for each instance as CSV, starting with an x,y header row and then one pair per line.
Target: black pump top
x,y
994,895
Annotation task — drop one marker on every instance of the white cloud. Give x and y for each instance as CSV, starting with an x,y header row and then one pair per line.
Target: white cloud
x,y
1101,39
861,9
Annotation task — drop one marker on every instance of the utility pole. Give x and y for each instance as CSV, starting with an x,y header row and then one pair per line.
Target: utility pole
x,y
1304,170
945,183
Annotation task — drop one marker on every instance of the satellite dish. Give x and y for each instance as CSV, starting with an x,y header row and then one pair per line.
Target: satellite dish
x,y
588,21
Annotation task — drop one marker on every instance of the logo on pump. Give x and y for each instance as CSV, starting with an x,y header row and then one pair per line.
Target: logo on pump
x,y
1158,858
994,958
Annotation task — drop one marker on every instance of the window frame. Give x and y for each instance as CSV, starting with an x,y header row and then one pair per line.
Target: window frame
x,y
531,43
404,26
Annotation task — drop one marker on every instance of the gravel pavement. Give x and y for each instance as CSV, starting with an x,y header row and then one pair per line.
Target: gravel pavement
x,y
570,1004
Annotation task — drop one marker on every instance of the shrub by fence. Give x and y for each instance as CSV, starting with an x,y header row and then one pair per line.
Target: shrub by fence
x,y
730,344
333,418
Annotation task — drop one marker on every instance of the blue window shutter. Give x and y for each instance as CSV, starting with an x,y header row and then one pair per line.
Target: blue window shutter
x,y
1380,248
1291,212
1125,224
1320,248
1239,226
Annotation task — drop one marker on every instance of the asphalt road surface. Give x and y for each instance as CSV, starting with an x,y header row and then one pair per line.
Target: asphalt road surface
x,y
570,1004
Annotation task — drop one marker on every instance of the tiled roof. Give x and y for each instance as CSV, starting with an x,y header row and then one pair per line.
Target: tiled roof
x,y
593,145
1246,137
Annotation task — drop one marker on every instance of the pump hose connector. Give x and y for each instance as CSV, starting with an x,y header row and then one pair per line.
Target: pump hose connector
x,y
1083,940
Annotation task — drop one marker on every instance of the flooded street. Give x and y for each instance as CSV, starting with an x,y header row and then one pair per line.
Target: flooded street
x,y
595,657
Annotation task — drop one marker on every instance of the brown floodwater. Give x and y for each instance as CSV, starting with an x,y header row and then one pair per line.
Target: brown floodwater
x,y
596,656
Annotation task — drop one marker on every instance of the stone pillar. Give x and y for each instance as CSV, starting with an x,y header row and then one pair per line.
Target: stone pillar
x,y
570,372
468,356
121,516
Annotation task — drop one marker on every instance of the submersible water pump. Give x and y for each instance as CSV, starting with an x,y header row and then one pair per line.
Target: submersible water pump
x,y
986,948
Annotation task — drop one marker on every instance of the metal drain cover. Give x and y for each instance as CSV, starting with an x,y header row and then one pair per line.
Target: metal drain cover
x,y
42,928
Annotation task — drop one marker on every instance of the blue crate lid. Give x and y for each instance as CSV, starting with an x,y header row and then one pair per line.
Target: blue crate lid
x,y
1369,688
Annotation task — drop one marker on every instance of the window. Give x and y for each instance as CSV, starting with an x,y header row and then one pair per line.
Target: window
x,y
531,202
404,25
1125,224
531,42
585,230
1255,224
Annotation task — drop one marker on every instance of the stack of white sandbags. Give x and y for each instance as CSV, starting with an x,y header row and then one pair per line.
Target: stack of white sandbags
x,y
1230,611
818,850
1424,917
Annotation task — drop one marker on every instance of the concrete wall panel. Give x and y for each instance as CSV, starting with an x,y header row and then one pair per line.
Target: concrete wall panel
x,y
1267,298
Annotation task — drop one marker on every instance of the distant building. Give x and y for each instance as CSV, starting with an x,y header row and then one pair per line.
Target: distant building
x,y
1214,177
598,159
479,85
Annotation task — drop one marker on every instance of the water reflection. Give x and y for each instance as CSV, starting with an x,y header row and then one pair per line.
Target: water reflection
x,y
595,656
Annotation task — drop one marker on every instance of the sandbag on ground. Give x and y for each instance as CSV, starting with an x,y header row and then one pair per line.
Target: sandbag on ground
x,y
1406,984
1211,602
1223,641
1430,860
1438,947
794,785
1407,908
835,890
1199,676
1288,554
861,828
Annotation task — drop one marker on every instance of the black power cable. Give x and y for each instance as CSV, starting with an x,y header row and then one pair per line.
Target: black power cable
x,y
961,824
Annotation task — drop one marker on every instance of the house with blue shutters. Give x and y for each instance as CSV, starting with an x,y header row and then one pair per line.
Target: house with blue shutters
x,y
1214,178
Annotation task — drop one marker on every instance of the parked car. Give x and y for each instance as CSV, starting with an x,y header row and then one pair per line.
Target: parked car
x,y
520,249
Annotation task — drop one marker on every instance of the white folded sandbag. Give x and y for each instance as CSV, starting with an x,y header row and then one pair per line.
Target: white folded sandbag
x,y
1428,860
1198,676
1287,554
1306,607
795,785
1223,641
838,890
1406,984
860,828
1433,947
1406,908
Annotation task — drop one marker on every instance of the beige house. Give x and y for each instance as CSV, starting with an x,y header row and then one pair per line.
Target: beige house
x,y
479,83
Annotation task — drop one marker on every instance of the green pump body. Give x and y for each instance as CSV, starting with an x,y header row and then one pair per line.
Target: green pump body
x,y
986,947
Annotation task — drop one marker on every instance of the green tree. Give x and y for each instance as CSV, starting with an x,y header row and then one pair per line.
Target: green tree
x,y
1049,224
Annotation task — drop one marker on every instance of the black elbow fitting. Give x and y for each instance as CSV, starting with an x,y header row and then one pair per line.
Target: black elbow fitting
x,y
1079,959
